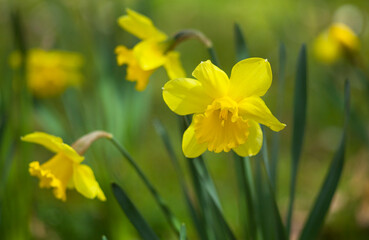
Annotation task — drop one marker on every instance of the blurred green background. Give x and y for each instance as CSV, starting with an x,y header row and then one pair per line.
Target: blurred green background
x,y
105,101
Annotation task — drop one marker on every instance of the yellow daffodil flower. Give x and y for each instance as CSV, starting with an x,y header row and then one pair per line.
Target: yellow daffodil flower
x,y
226,111
49,73
149,54
335,42
64,170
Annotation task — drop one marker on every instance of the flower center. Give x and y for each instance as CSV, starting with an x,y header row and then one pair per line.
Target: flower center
x,y
220,126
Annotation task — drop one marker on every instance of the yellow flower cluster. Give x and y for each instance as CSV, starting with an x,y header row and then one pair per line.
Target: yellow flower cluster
x,y
49,73
149,54
336,42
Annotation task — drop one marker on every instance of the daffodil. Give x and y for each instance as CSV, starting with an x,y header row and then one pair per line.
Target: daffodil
x,y
149,54
336,42
64,170
49,73
226,111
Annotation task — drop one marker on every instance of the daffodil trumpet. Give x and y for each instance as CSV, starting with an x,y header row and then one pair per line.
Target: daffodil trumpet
x,y
65,169
226,111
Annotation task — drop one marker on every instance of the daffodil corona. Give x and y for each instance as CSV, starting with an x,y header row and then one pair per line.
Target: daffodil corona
x,y
64,170
149,54
226,111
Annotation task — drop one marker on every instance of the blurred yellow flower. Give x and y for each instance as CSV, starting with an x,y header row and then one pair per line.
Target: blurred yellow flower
x,y
49,73
149,54
227,111
64,170
332,44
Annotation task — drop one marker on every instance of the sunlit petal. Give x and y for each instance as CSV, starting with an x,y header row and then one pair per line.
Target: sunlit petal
x,y
252,76
173,66
213,79
253,143
254,108
150,54
140,26
85,182
186,96
190,146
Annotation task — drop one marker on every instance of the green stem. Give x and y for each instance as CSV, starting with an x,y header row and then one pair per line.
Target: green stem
x,y
172,220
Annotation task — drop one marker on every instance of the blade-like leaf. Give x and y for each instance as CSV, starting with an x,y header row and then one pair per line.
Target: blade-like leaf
x,y
133,214
183,233
279,109
299,118
269,218
213,56
240,43
172,220
162,132
247,212
209,187
321,206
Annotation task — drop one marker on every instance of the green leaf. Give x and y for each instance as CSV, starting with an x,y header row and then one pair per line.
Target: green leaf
x,y
133,214
279,109
183,233
162,132
172,220
213,56
321,206
240,43
299,118
247,203
211,194
267,209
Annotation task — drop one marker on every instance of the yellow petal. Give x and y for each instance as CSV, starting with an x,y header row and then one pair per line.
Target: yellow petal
x,y
186,96
252,76
190,146
254,108
327,49
344,35
213,79
85,182
124,55
173,66
150,54
140,26
134,72
54,144
51,142
55,173
253,143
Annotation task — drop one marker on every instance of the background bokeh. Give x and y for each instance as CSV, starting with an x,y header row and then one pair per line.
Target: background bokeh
x,y
106,101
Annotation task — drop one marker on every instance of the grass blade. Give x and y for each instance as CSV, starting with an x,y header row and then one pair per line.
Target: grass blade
x,y
321,206
194,215
133,214
299,118
172,220
247,212
280,103
213,56
209,187
183,233
240,43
